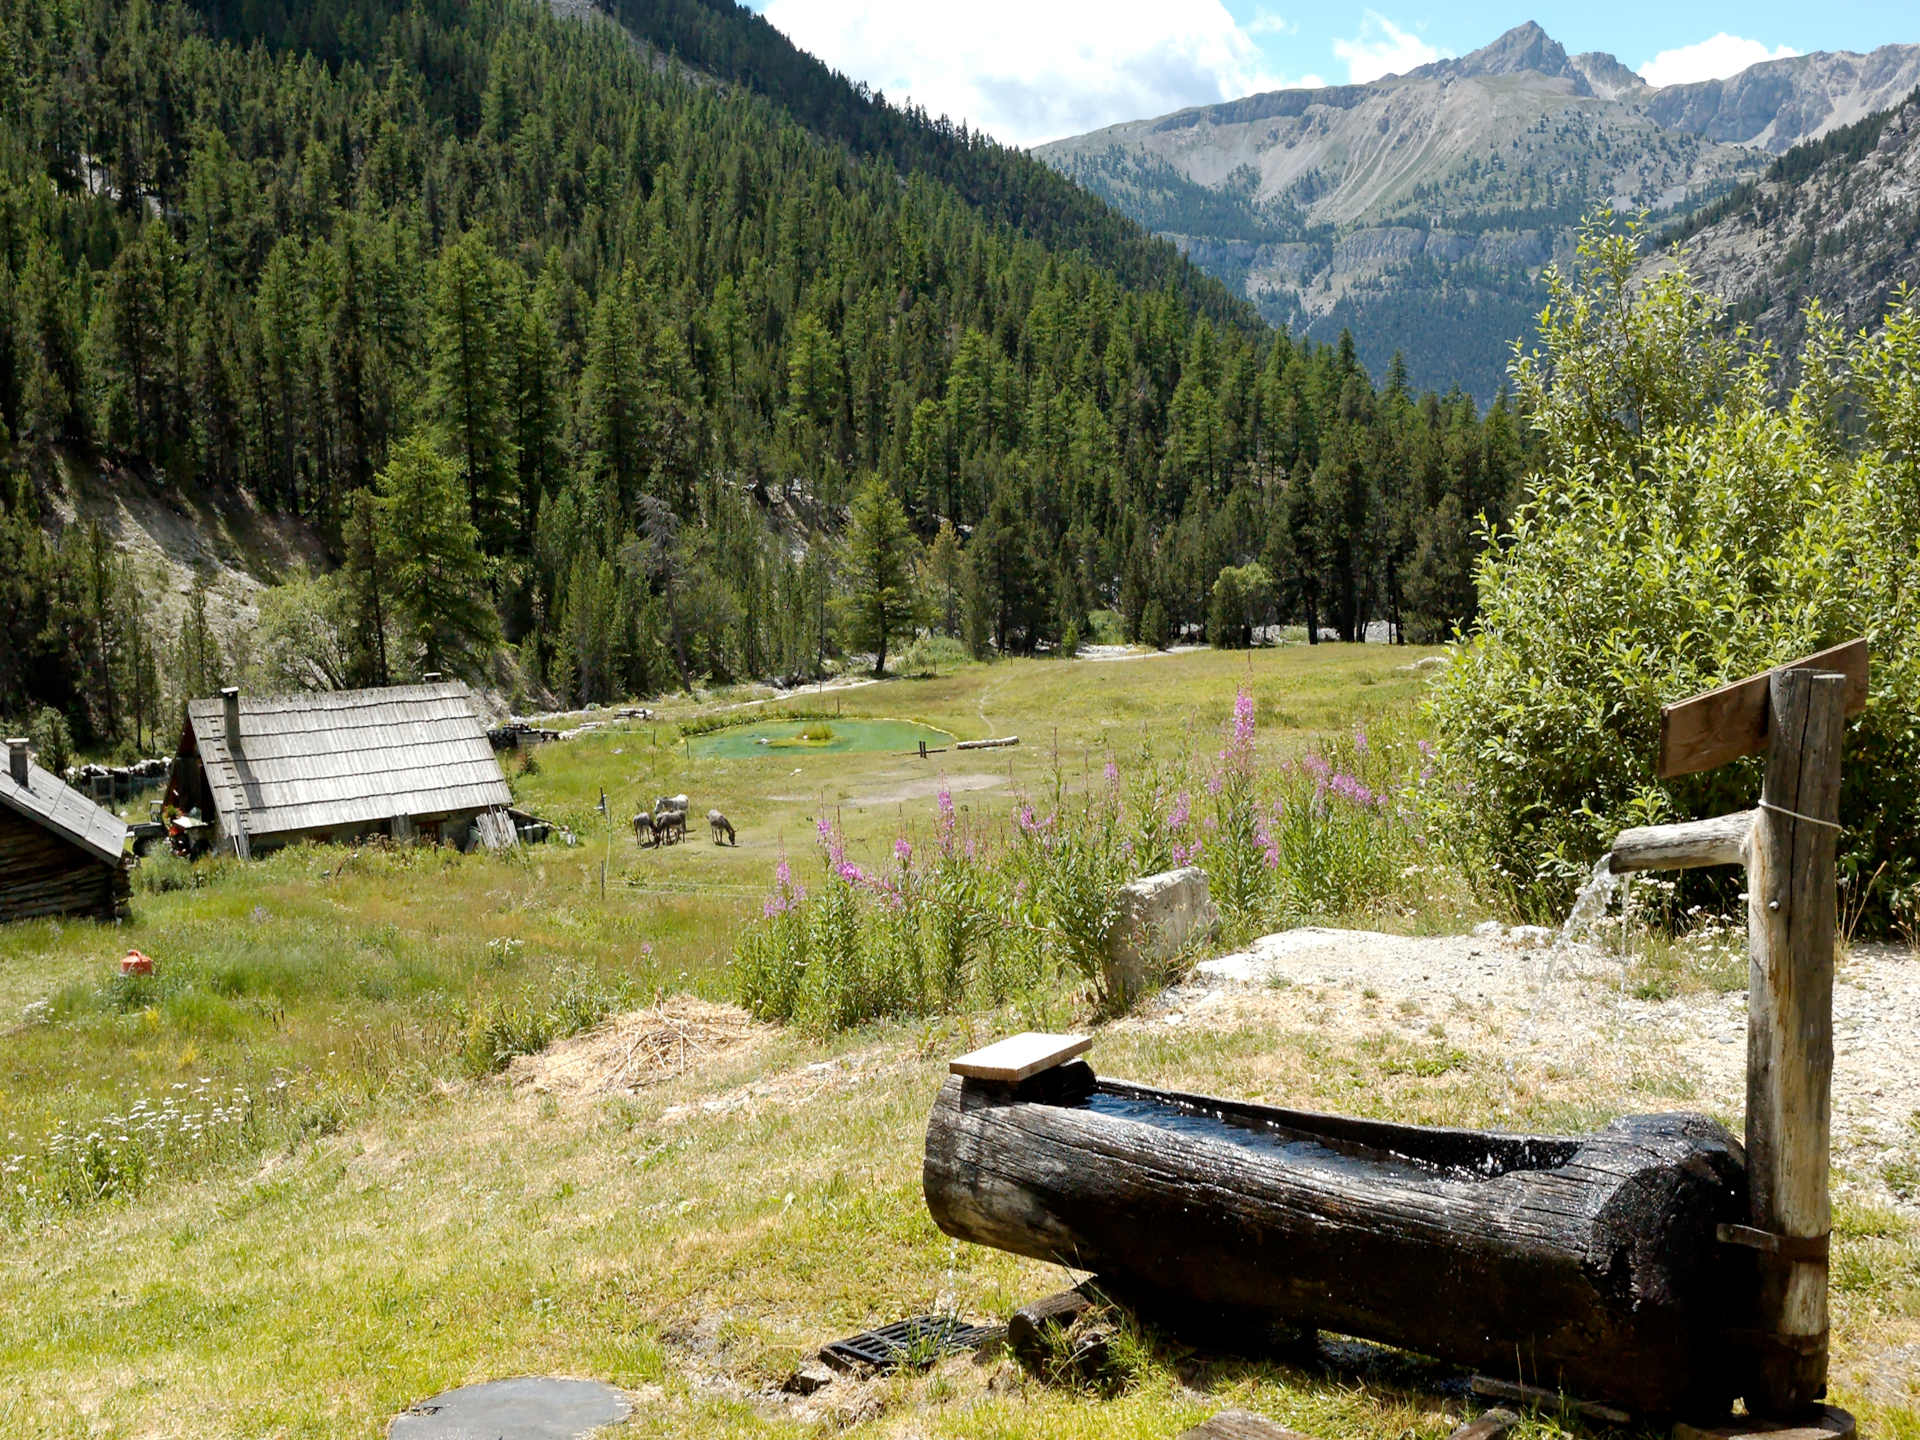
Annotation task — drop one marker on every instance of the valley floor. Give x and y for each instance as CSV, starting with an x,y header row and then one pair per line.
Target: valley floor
x,y
685,1203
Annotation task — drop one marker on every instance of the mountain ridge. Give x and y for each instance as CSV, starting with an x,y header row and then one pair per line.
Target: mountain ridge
x,y
1370,207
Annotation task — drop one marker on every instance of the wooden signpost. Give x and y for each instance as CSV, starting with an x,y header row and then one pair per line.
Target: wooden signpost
x,y
1797,715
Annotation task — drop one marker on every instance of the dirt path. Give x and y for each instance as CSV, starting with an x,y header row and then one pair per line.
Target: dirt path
x,y
1571,1013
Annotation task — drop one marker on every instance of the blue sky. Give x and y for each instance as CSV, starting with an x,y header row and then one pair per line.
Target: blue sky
x,y
1033,70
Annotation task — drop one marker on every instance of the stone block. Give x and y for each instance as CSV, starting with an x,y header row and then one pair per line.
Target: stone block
x,y
1159,916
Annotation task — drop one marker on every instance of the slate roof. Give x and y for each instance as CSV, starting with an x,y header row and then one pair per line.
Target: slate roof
x,y
48,800
346,757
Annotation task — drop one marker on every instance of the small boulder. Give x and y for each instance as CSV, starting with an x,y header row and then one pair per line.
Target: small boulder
x,y
1158,916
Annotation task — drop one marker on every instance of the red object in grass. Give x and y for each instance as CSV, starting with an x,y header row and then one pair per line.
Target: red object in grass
x,y
136,963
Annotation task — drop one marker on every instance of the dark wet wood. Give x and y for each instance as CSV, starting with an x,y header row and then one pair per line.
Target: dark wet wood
x,y
1708,730
1589,1266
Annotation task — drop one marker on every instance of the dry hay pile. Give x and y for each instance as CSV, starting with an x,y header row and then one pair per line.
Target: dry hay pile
x,y
639,1048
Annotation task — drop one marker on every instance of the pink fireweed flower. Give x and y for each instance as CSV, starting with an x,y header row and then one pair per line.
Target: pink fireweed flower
x,y
1360,739
903,850
1025,820
1352,789
783,874
1112,773
1236,756
834,842
1185,854
1269,847
1181,813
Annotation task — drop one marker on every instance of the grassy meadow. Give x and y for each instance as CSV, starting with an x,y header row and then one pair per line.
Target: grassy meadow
x,y
344,1209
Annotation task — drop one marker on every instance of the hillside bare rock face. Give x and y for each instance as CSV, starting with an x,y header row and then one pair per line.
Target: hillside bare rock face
x,y
1418,210
1847,235
1778,104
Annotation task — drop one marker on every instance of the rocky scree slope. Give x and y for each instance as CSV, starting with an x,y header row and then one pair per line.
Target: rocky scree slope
x,y
1843,229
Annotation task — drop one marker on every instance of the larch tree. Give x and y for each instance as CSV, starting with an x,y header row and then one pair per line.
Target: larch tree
x,y
432,562
881,552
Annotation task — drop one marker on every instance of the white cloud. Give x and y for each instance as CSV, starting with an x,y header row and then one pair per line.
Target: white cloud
x,y
1265,22
1713,59
1032,70
1382,48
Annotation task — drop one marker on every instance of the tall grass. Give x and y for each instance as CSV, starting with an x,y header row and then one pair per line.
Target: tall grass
x,y
975,914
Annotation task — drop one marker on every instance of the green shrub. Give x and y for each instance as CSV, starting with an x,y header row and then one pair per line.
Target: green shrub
x,y
1684,529
931,654
161,871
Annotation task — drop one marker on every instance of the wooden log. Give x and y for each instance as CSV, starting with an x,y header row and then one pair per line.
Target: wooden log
x,y
999,744
1591,1263
1708,730
1790,935
1034,1329
1720,841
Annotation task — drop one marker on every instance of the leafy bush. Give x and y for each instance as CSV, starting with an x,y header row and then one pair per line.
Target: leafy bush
x,y
1684,529
931,654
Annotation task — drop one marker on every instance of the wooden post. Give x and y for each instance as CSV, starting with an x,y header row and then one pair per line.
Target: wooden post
x,y
1790,929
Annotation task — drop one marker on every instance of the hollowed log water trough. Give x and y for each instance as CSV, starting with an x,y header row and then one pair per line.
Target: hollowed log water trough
x,y
1656,1265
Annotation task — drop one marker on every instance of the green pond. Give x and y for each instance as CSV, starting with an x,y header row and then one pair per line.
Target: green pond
x,y
784,738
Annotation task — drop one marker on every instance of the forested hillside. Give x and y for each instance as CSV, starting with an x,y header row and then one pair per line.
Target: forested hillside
x,y
577,357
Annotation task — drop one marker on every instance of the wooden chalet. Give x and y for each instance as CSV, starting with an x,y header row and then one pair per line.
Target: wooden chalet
x,y
340,765
60,854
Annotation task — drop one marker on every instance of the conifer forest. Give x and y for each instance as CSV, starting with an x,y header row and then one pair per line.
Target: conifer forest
x,y
608,354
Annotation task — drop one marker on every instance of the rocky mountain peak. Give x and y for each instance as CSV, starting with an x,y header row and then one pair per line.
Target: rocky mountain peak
x,y
1523,48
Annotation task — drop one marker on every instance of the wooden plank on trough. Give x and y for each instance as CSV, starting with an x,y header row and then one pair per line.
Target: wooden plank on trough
x,y
1709,730
1018,1056
1827,1423
1240,1425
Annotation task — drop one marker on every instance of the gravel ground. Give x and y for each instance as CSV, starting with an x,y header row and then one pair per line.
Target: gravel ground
x,y
1570,1010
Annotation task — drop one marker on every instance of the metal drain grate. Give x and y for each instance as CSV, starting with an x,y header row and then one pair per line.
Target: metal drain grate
x,y
914,1343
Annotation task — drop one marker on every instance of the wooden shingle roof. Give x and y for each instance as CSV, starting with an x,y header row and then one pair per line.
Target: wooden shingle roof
x,y
48,800
346,757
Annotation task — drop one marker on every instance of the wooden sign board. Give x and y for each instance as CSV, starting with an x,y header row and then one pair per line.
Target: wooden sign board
x,y
1018,1056
1709,730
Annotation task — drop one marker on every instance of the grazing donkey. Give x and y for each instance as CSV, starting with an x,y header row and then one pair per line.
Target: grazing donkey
x,y
721,826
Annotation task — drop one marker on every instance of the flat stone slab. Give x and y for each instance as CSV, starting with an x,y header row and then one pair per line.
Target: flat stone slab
x,y
531,1407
